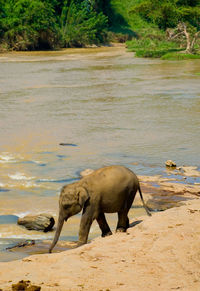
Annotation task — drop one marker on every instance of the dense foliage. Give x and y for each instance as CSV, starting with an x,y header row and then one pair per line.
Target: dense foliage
x,y
167,13
178,22
46,24
49,24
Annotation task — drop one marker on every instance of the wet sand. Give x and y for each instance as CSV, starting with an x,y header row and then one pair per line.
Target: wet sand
x,y
160,193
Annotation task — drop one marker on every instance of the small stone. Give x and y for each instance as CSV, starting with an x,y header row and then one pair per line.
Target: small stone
x,y
21,285
25,285
170,163
41,222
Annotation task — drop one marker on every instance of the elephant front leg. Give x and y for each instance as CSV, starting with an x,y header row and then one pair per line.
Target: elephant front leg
x,y
103,225
85,224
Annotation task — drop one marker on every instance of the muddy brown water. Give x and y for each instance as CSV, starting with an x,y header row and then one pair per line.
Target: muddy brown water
x,y
62,112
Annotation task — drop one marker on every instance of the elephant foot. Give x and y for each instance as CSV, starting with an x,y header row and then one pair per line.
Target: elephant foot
x,y
80,243
106,234
121,229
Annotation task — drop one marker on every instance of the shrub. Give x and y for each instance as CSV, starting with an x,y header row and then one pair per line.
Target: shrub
x,y
151,47
28,25
81,25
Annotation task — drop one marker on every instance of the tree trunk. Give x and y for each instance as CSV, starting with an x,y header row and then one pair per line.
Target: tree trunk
x,y
194,40
188,49
181,30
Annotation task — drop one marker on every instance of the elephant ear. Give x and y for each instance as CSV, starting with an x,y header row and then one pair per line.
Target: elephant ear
x,y
83,195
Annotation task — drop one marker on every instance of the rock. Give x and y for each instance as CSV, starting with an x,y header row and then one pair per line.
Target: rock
x,y
42,222
170,163
25,285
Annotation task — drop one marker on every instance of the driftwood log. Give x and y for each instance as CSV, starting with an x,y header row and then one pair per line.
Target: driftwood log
x,y
42,222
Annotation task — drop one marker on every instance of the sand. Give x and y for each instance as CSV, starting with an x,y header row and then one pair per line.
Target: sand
x,y
161,252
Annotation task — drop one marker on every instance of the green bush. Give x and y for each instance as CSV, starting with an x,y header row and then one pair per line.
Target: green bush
x,y
81,25
46,24
28,25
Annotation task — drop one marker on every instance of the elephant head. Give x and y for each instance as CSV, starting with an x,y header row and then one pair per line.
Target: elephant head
x,y
71,201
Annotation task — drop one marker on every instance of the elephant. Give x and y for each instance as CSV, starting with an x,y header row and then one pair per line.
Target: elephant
x,y
106,190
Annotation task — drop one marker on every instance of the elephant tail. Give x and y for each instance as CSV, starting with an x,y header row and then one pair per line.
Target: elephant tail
x,y
58,231
145,207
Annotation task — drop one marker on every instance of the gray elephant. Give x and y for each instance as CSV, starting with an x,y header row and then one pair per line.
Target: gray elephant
x,y
106,190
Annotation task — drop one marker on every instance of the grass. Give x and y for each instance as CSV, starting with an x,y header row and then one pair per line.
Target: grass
x,y
152,47
124,23
180,56
142,37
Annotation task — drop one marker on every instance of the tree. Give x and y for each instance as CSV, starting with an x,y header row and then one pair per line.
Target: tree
x,y
182,31
80,25
44,24
181,15
162,13
29,24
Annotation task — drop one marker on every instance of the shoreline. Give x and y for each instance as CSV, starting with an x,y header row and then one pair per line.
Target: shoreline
x,y
160,193
155,253
67,53
158,252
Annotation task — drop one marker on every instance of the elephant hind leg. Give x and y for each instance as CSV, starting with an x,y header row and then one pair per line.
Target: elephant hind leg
x,y
123,221
101,219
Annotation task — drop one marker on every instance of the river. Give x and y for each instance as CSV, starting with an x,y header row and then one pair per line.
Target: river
x,y
107,106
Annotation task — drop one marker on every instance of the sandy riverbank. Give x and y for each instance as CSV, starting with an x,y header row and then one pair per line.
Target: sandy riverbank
x,y
160,253
68,54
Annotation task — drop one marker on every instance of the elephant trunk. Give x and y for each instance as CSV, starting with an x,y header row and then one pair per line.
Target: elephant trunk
x,y
58,231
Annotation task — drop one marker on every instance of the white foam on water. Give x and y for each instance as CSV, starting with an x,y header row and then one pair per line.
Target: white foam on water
x,y
20,176
3,242
6,157
30,185
38,162
47,180
26,236
22,214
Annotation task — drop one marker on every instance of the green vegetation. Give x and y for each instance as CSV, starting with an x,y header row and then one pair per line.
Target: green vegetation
x,y
167,29
180,56
45,24
178,22
152,47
